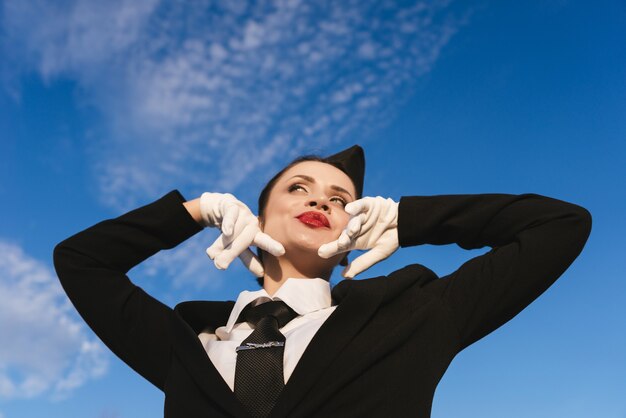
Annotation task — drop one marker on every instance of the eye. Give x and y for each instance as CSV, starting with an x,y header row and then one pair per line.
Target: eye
x,y
295,187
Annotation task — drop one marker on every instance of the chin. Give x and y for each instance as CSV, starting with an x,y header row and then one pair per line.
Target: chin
x,y
305,242
300,239
311,239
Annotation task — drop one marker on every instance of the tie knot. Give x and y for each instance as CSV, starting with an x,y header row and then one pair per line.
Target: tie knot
x,y
258,309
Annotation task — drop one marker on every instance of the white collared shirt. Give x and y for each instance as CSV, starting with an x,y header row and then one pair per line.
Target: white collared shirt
x,y
310,298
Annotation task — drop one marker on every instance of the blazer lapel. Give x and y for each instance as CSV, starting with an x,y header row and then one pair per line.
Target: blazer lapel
x,y
357,301
187,324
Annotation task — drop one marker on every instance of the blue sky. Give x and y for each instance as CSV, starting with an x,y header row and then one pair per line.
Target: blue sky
x,y
108,105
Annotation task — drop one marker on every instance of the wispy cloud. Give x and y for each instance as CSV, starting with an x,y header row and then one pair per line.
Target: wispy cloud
x,y
44,349
209,94
189,268
73,37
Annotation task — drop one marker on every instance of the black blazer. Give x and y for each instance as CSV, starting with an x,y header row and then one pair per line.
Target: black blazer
x,y
383,350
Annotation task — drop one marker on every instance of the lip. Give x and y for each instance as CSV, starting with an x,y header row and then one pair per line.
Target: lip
x,y
314,219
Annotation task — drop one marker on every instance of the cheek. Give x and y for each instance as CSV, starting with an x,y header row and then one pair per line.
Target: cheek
x,y
276,223
342,221
271,226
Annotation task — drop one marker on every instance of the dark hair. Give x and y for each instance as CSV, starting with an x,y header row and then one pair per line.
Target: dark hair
x,y
267,190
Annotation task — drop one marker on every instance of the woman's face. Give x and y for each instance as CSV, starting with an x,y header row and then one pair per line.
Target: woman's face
x,y
305,208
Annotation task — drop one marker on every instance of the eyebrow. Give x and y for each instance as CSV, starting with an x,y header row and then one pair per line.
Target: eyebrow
x,y
312,180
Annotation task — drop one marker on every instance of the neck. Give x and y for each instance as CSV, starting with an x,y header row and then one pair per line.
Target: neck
x,y
279,269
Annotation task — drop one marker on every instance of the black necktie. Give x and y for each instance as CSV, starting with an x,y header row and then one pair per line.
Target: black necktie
x,y
259,370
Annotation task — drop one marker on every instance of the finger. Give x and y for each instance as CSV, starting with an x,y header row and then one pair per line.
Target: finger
x,y
340,245
354,226
344,242
238,246
218,246
356,207
363,262
328,250
269,244
252,262
230,217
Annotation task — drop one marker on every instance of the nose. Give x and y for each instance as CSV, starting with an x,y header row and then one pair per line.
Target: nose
x,y
319,203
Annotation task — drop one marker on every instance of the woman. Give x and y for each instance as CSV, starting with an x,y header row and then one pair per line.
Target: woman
x,y
375,347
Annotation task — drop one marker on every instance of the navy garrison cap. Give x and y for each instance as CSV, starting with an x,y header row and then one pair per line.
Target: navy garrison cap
x,y
352,162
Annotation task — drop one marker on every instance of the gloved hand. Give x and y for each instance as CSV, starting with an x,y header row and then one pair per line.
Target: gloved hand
x,y
240,229
373,226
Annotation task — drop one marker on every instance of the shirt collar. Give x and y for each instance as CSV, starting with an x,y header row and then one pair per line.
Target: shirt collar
x,y
302,295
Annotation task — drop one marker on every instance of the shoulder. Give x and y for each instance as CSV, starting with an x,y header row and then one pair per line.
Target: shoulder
x,y
414,277
202,314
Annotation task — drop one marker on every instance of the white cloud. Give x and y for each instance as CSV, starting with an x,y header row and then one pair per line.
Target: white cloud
x,y
217,95
44,349
187,264
74,36
189,272
231,89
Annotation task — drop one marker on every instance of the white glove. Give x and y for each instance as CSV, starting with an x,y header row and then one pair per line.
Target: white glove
x,y
373,226
240,229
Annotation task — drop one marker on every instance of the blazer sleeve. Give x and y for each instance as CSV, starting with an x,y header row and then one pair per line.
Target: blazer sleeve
x,y
534,239
92,267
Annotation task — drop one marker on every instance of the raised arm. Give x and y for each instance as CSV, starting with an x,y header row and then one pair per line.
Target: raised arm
x,y
92,267
534,239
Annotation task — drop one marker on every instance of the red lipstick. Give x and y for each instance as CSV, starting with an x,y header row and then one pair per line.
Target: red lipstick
x,y
314,219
